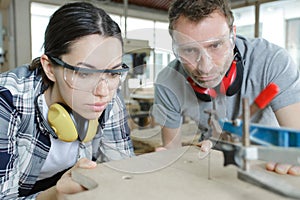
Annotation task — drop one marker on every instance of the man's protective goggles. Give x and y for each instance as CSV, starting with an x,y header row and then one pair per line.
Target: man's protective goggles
x,y
192,52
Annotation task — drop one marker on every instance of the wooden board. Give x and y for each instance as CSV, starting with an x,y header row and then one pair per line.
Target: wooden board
x,y
281,184
173,174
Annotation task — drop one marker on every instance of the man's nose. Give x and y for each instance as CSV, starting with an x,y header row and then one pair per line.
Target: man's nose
x,y
204,62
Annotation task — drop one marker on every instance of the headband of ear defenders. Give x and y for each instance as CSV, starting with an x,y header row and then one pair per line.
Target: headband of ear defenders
x,y
70,126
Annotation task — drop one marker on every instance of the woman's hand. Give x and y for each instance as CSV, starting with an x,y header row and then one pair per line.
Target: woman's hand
x,y
66,185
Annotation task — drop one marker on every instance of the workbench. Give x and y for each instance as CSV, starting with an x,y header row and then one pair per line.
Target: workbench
x,y
173,174
147,140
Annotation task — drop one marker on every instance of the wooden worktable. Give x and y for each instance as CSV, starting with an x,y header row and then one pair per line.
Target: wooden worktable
x,y
146,140
173,174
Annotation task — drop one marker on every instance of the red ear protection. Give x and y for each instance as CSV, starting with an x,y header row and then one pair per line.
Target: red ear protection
x,y
230,85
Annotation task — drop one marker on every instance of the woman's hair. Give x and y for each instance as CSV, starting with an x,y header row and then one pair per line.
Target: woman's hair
x,y
196,10
71,22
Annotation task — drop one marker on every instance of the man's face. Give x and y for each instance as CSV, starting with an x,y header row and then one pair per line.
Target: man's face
x,y
205,48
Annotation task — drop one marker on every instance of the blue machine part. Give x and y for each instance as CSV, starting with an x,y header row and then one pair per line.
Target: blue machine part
x,y
265,135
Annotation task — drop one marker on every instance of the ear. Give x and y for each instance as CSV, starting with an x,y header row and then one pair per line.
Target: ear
x,y
234,32
47,67
233,36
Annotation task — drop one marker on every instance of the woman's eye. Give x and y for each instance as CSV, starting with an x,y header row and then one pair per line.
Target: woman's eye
x,y
114,75
83,74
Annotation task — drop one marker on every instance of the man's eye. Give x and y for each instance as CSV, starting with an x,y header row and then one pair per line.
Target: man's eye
x,y
189,51
217,45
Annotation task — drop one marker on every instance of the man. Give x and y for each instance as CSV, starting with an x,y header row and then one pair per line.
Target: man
x,y
215,65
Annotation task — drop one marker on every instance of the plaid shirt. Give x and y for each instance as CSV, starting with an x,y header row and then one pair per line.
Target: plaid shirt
x,y
24,133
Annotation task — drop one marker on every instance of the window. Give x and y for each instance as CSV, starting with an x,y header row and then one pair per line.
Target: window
x,y
40,14
278,23
244,19
293,39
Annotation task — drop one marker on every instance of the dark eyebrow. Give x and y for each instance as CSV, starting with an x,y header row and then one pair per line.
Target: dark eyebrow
x,y
93,67
112,70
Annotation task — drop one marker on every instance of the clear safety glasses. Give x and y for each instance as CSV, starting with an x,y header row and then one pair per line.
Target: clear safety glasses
x,y
193,52
84,79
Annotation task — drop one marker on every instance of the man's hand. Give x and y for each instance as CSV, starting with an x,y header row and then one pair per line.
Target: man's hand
x,y
205,145
283,168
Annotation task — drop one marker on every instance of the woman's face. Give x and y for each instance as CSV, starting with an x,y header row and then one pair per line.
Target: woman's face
x,y
86,91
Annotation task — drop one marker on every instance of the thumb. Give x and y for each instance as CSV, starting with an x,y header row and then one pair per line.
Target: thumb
x,y
160,149
205,145
86,163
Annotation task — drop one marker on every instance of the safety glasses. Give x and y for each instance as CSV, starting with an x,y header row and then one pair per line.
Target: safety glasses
x,y
85,79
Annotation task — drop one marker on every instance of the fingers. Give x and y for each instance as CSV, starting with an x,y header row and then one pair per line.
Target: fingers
x,y
283,168
160,149
294,170
205,145
270,166
85,163
65,185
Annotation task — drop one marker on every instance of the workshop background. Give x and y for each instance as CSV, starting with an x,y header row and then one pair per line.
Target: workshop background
x,y
144,25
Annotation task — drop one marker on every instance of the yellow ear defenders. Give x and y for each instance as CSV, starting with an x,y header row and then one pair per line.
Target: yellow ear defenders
x,y
70,126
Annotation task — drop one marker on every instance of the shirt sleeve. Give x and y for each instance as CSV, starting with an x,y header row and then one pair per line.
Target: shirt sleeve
x,y
170,95
285,74
9,173
166,109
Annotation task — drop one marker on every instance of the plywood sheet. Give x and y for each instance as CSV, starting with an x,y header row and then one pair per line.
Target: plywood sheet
x,y
173,174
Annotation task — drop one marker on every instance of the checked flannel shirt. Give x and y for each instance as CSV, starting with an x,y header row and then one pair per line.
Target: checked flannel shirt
x,y
24,133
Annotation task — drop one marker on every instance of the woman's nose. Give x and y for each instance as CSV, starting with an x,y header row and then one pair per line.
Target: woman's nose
x,y
102,88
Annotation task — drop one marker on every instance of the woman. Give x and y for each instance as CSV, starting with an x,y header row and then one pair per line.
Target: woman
x,y
64,109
